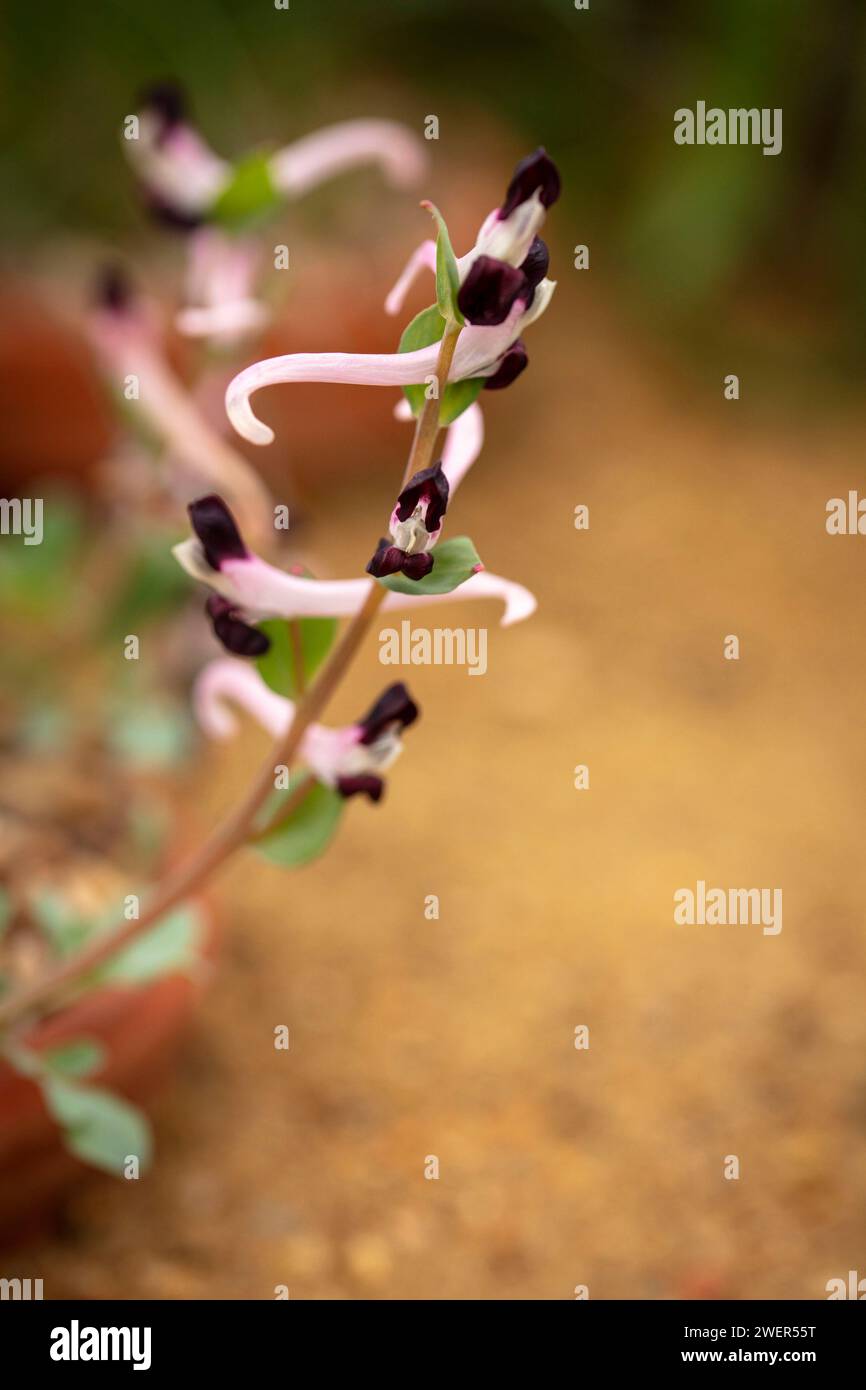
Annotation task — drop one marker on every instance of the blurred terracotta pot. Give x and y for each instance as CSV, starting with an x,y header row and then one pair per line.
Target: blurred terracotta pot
x,y
56,418
141,1029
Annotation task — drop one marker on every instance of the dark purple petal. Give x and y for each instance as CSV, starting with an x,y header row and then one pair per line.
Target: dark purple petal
x,y
394,706
217,530
387,560
537,262
235,634
167,101
432,484
489,290
417,566
535,171
170,216
113,289
510,367
370,786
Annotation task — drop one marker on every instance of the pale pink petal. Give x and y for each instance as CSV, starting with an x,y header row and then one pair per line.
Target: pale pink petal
x,y
223,322
477,354
519,602
221,274
324,153
228,680
424,258
226,683
333,753
126,346
220,267
177,166
263,591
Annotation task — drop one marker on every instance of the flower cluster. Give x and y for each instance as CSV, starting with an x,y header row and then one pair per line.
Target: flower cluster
x,y
351,760
501,286
187,186
503,282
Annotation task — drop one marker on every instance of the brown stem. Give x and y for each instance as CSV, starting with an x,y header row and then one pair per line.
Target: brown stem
x,y
427,428
235,829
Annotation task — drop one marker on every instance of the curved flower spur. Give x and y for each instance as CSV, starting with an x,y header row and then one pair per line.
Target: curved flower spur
x,y
494,293
188,186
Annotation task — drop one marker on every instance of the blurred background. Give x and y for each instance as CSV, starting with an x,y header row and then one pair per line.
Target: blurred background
x,y
455,1037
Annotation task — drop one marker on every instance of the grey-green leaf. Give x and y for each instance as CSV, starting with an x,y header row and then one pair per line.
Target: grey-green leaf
x,y
171,947
78,1058
277,666
65,930
457,397
150,732
309,829
454,561
98,1127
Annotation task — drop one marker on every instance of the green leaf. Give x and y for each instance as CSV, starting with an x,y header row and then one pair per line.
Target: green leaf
x,y
5,910
35,579
277,666
309,829
447,274
98,1127
454,562
65,930
249,195
169,948
426,328
457,397
153,732
77,1059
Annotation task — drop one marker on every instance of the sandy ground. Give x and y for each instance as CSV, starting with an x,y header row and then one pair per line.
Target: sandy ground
x,y
455,1038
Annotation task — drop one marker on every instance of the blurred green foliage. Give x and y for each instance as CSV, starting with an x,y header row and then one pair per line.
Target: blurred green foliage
x,y
686,226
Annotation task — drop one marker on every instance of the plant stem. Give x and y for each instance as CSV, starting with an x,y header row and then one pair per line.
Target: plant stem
x,y
424,443
236,828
